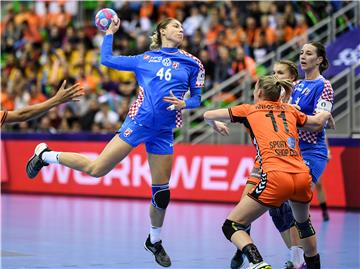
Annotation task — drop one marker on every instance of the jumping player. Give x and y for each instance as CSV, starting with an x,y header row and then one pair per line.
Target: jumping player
x,y
165,74
284,175
26,113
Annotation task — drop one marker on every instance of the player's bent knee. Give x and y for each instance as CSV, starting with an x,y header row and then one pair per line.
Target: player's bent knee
x,y
230,227
305,229
282,217
94,171
160,196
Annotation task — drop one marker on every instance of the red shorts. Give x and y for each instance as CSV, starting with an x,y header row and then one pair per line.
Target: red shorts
x,y
276,187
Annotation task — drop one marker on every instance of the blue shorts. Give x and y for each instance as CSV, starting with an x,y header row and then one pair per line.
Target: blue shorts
x,y
316,165
156,141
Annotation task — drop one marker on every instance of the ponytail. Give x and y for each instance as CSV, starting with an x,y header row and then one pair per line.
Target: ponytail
x,y
321,52
272,87
156,41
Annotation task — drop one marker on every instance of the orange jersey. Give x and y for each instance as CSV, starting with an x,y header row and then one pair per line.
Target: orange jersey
x,y
273,128
3,115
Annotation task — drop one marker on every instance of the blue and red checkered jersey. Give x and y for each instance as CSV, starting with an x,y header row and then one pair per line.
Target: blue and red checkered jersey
x,y
313,96
158,72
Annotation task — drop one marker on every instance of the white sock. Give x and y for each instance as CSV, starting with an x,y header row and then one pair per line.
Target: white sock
x,y
155,234
50,156
297,256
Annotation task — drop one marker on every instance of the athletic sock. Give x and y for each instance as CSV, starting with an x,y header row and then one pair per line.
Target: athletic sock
x,y
323,206
155,234
252,253
312,262
296,256
50,157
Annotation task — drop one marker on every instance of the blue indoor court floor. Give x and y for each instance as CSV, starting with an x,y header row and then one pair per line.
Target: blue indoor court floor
x,y
82,232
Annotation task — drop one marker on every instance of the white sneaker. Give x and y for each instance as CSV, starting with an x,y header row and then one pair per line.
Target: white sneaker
x,y
260,265
35,163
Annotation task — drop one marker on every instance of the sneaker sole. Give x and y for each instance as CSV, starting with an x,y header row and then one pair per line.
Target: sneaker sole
x,y
40,148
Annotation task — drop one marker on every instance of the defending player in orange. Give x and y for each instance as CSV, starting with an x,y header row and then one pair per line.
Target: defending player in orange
x,y
284,175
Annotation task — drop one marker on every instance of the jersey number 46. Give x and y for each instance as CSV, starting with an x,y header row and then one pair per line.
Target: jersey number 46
x,y
166,75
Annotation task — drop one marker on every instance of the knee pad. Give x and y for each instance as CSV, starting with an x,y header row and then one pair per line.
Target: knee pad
x,y
305,229
230,227
282,217
160,196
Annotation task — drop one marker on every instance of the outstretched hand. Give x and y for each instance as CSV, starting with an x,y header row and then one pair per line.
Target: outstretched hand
x,y
221,128
69,94
331,123
114,26
176,103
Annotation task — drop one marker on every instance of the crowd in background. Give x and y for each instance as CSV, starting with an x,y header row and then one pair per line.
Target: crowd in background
x,y
43,43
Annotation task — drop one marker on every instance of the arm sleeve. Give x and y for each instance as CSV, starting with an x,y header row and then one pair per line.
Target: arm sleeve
x,y
301,118
238,113
3,115
125,63
325,99
197,82
195,100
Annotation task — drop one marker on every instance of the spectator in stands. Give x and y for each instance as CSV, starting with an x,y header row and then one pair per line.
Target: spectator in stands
x,y
242,62
193,22
107,118
250,30
266,33
54,45
223,65
209,66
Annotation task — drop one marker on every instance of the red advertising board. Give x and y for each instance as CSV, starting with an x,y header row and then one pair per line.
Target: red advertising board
x,y
4,173
200,172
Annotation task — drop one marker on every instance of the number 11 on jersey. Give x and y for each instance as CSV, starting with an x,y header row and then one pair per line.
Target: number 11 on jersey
x,y
273,120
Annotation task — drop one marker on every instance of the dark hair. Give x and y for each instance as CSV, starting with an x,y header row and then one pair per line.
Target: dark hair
x,y
291,67
272,86
321,52
156,36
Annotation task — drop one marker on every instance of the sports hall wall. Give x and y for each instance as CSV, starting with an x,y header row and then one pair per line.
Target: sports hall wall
x,y
214,173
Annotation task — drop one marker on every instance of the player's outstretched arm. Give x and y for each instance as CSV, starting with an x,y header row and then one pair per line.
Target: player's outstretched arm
x,y
317,122
63,95
214,118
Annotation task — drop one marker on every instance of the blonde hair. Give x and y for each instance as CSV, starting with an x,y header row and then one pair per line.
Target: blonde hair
x,y
272,87
156,36
291,67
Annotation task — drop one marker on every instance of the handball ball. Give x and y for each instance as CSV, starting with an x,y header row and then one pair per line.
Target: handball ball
x,y
103,18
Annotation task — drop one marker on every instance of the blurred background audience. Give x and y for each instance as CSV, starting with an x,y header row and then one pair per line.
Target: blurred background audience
x,y
44,42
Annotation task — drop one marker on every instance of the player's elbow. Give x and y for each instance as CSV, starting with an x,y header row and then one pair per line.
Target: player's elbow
x,y
104,60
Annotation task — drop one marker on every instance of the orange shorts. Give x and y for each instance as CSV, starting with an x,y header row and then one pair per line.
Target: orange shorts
x,y
254,177
277,187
